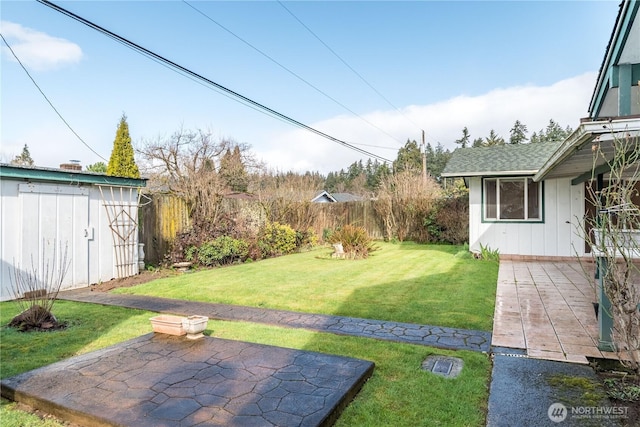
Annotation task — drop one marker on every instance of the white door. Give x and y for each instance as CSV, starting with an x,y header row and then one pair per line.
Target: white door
x,y
55,220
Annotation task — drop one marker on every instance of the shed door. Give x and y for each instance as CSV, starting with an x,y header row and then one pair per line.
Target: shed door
x,y
55,218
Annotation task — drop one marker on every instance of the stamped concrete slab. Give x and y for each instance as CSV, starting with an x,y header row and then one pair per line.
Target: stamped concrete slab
x,y
163,380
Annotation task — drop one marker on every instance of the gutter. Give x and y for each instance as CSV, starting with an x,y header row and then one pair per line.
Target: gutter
x,y
488,173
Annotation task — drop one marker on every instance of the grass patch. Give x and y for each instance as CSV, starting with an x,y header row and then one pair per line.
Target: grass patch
x,y
580,391
408,282
398,393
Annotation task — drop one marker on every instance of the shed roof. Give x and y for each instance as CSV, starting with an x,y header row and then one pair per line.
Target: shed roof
x,y
66,176
521,159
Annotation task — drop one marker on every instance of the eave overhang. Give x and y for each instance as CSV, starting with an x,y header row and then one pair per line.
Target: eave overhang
x,y
575,158
66,176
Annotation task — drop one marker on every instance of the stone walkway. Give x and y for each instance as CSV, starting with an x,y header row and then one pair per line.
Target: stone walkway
x,y
434,336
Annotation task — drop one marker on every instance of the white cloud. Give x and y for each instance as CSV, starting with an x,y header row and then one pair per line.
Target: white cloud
x,y
37,50
566,102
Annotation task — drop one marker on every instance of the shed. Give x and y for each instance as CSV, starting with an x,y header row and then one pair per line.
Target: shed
x,y
45,211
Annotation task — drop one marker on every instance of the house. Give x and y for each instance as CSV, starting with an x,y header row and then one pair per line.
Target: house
x,y
46,211
326,197
531,200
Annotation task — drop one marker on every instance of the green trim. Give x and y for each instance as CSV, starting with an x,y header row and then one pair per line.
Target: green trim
x,y
484,220
624,90
66,176
590,174
605,80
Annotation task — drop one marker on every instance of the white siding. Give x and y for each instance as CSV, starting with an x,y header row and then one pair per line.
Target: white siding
x,y
558,235
36,216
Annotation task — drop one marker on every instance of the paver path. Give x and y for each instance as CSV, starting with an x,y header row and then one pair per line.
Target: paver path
x,y
435,336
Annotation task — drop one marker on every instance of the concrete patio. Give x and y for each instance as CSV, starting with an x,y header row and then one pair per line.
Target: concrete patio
x,y
546,308
163,380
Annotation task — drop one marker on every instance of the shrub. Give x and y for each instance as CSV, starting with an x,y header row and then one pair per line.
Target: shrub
x,y
277,239
355,241
448,220
200,233
222,250
306,239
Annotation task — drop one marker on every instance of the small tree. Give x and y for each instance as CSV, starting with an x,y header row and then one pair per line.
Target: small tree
x,y
518,133
403,201
99,167
122,161
614,241
232,170
24,159
36,289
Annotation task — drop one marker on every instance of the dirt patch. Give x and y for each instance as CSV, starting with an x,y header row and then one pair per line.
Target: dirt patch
x,y
127,282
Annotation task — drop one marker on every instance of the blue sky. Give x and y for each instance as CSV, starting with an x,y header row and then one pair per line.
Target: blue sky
x,y
441,65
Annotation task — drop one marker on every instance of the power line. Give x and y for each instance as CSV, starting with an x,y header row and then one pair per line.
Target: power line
x,y
289,71
236,96
47,99
346,64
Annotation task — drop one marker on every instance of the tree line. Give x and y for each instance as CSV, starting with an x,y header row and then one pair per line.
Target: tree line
x,y
189,154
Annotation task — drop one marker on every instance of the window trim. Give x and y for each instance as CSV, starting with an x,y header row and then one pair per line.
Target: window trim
x,y
497,179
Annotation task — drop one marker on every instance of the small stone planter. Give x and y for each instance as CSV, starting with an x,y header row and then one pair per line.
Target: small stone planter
x,y
167,324
194,325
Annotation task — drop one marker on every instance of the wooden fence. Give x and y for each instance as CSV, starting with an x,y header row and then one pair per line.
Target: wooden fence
x,y
166,216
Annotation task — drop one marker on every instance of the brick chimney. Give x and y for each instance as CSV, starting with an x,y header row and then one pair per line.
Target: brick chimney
x,y
73,165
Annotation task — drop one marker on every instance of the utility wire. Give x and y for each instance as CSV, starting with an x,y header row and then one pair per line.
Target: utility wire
x,y
289,71
50,103
236,96
347,65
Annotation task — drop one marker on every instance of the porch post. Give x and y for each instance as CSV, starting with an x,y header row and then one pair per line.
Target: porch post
x,y
605,313
605,317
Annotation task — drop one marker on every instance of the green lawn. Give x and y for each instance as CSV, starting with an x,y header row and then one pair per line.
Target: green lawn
x,y
408,282
398,394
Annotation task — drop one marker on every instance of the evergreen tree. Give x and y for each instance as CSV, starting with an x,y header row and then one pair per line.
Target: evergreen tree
x,y
409,158
437,159
494,139
99,167
464,141
24,159
553,133
518,133
478,142
232,170
122,162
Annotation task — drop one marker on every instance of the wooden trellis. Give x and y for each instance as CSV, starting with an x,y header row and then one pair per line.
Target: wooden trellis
x,y
121,205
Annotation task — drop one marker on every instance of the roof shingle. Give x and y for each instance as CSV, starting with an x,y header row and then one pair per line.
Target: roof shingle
x,y
522,159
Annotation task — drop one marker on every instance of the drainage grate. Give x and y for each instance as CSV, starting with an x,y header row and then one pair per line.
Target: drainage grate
x,y
442,367
449,367
511,355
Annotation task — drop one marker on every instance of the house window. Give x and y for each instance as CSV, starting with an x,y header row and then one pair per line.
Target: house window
x,y
512,199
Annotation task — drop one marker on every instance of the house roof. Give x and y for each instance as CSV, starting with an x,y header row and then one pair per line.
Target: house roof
x,y
325,196
346,197
66,176
521,159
